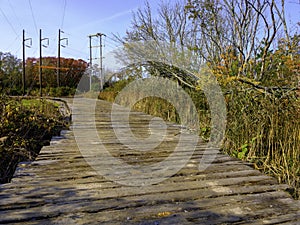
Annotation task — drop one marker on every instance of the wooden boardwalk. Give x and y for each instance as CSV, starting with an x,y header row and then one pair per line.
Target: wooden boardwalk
x,y
60,187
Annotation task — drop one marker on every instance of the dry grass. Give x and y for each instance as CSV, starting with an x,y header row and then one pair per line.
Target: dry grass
x,y
261,128
265,129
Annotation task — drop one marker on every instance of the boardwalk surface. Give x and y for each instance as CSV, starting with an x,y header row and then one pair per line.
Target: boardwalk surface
x,y
60,187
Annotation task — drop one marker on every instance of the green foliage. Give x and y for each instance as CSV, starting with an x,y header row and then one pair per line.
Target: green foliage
x,y
95,86
10,74
25,126
60,91
112,91
157,107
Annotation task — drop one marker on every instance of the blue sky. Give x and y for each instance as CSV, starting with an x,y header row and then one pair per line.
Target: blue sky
x,y
78,19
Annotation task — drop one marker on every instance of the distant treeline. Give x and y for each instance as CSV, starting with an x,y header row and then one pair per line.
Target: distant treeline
x,y
11,72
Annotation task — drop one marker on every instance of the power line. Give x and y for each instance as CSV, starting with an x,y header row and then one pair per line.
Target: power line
x,y
112,42
111,45
112,39
14,12
78,37
7,20
77,51
64,12
17,51
12,43
50,49
35,26
35,50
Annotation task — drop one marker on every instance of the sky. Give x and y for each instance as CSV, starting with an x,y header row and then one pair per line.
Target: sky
x,y
77,19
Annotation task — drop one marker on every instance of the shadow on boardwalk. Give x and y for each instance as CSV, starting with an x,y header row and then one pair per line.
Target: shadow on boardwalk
x,y
60,187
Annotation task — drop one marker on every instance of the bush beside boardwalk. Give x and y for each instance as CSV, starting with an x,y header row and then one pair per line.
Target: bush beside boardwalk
x,y
26,125
262,127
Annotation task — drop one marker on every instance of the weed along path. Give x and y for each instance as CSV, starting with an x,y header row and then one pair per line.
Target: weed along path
x,y
92,174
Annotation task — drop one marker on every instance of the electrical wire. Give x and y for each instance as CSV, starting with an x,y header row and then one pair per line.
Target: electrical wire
x,y
32,14
78,51
52,50
12,43
10,24
78,37
111,44
14,12
35,51
64,12
113,41
18,50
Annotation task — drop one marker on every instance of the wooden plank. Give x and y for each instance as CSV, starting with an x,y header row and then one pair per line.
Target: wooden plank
x,y
60,187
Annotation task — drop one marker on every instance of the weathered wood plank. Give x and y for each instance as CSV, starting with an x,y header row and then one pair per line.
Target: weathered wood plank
x,y
60,187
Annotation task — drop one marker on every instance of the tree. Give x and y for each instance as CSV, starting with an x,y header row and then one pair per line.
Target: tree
x,y
154,42
235,32
72,71
237,39
10,74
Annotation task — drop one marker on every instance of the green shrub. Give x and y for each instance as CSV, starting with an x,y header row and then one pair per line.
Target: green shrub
x,y
25,126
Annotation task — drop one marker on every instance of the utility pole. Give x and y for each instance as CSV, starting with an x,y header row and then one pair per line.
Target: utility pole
x,y
41,71
58,57
101,61
91,61
101,58
24,75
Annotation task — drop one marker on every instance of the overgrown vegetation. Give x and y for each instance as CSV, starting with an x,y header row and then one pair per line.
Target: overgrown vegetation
x,y
265,129
248,47
262,128
25,126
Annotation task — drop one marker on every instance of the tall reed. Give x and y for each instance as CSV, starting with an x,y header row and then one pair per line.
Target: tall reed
x,y
262,128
